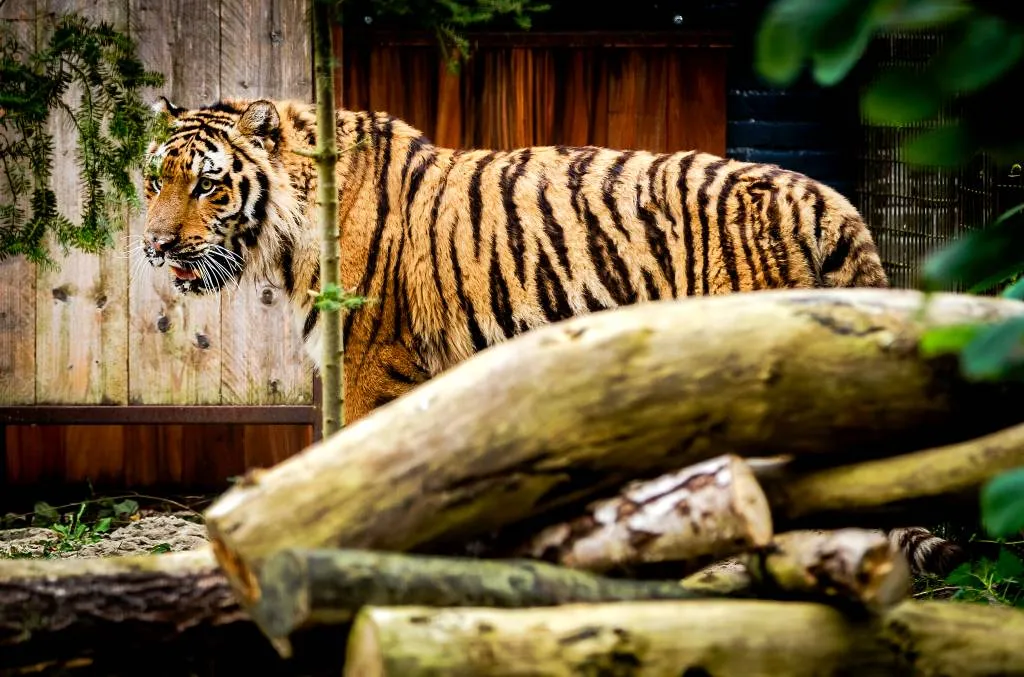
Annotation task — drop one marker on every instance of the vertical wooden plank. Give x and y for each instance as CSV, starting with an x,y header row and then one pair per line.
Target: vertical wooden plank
x,y
81,318
268,445
625,68
211,454
577,80
269,56
17,276
36,454
448,129
696,117
94,453
175,347
651,99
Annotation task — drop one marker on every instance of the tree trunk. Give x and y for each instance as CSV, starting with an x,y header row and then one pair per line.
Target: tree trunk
x,y
724,638
567,413
176,608
698,514
332,380
928,486
302,588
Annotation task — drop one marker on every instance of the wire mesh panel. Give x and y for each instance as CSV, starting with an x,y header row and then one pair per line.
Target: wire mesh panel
x,y
913,210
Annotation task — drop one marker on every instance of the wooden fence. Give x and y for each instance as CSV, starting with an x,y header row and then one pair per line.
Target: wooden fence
x,y
107,332
191,392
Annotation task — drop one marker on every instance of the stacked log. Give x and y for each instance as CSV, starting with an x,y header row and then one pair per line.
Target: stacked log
x,y
690,487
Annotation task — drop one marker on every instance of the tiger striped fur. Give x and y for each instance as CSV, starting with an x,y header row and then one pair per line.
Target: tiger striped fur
x,y
462,249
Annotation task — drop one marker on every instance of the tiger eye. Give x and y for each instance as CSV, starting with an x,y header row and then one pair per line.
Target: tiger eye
x,y
206,185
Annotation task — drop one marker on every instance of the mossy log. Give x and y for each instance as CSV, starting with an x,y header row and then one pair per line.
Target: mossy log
x,y
930,485
565,414
123,615
303,588
725,638
691,516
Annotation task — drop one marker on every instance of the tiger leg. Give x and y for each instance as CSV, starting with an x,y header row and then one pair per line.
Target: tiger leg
x,y
927,553
384,373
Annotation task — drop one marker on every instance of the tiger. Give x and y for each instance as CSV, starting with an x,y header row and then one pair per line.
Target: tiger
x,y
461,249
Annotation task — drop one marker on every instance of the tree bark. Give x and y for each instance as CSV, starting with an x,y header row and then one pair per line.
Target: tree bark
x,y
701,513
640,391
725,638
930,485
100,614
303,588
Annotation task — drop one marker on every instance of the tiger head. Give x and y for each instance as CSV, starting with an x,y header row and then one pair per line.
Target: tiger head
x,y
208,186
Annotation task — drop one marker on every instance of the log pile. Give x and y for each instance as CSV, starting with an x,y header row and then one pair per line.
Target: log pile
x,y
693,487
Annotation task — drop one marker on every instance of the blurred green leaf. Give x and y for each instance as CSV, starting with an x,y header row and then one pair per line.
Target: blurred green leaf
x,y
985,50
949,146
899,97
1002,504
831,65
961,576
44,514
779,49
979,260
843,39
949,339
1014,291
996,353
917,14
1008,565
787,35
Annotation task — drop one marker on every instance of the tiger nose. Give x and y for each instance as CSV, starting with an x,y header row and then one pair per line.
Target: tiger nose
x,y
161,243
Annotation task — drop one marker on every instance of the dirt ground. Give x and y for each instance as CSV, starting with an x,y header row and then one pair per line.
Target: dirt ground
x,y
154,533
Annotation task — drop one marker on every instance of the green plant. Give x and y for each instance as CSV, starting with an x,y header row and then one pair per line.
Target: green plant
x,y
109,118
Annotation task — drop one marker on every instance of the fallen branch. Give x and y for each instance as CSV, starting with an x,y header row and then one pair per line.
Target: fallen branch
x,y
725,638
931,485
303,588
692,516
640,391
177,608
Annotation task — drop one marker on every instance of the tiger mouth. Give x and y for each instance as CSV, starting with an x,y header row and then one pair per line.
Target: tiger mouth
x,y
184,273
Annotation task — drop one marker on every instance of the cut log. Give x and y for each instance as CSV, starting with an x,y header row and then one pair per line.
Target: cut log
x,y
724,638
303,588
689,517
856,567
177,609
932,485
567,413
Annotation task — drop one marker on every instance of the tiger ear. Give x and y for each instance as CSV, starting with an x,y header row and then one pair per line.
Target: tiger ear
x,y
260,123
164,107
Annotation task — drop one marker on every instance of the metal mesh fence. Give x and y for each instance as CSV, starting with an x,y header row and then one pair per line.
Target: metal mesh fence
x,y
913,210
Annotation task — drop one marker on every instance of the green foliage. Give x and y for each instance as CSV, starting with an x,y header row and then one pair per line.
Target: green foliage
x,y
449,18
110,120
333,298
1002,504
999,581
